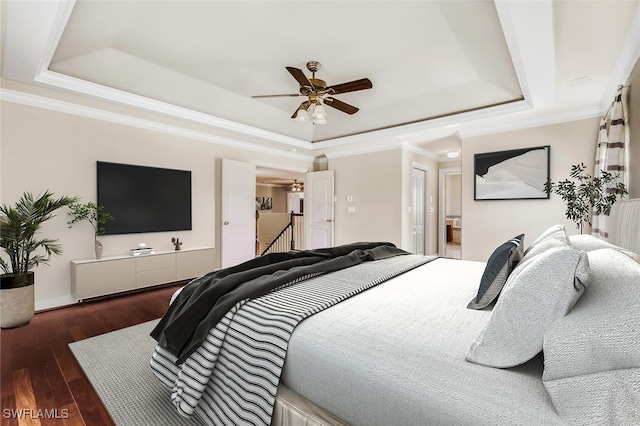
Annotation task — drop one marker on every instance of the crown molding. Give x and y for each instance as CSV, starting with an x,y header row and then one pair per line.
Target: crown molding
x,y
364,150
531,122
420,151
278,166
98,91
126,120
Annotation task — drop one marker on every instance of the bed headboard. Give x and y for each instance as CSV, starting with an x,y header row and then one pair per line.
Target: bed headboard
x,y
624,224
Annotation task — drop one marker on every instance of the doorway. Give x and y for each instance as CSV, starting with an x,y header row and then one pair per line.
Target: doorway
x,y
419,208
450,214
279,206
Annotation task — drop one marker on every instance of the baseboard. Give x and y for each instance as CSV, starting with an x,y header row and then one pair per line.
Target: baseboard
x,y
55,302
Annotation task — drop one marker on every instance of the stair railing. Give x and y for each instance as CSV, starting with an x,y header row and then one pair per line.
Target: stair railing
x,y
290,238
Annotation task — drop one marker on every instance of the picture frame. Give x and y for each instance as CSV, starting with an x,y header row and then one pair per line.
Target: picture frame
x,y
264,203
517,174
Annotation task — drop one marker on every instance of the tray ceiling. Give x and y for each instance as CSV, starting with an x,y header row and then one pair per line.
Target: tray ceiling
x,y
434,64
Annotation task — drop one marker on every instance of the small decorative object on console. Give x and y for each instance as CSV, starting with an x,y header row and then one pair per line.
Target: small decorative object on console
x,y
176,243
141,251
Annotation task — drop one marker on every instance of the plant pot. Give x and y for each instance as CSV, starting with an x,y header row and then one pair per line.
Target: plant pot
x,y
17,301
98,250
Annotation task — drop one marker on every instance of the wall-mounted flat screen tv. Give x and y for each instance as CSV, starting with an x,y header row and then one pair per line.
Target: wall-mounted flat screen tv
x,y
144,199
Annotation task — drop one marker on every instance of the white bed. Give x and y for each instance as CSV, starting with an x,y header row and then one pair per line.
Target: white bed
x,y
395,355
400,353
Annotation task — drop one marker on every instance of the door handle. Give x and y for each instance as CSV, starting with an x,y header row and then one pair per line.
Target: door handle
x,y
329,220
226,222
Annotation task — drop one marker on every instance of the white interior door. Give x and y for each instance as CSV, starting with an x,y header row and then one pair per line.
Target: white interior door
x,y
318,212
238,207
418,189
294,200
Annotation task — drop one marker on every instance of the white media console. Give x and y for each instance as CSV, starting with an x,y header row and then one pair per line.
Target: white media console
x,y
114,274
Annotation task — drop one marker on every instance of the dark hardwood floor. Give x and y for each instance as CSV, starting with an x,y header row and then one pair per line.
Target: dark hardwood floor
x,y
40,381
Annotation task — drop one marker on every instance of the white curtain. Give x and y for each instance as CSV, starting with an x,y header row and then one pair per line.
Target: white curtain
x,y
611,153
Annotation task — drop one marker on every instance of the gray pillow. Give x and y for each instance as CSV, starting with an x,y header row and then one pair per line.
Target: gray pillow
x,y
592,356
539,291
499,266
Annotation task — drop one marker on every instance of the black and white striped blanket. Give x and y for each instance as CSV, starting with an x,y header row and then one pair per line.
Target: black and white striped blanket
x,y
232,378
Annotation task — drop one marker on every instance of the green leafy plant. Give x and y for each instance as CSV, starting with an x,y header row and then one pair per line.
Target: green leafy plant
x,y
19,228
92,213
585,194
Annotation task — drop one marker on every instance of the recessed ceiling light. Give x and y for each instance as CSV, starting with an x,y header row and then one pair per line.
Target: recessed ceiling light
x,y
453,154
579,82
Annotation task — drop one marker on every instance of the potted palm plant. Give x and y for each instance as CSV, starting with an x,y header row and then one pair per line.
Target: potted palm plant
x,y
19,228
95,215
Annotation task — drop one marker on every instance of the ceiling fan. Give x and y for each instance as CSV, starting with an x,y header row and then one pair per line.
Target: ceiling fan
x,y
318,93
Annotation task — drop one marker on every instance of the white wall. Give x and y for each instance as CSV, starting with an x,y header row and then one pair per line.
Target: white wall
x,y
380,186
44,149
487,224
269,227
374,181
278,195
453,190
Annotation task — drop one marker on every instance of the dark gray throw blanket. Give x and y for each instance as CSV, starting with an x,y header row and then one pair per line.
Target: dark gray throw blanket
x,y
205,301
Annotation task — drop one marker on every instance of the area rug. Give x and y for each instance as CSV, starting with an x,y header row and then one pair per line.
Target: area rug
x,y
117,365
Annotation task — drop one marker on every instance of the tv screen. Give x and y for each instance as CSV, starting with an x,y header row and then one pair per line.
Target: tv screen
x,y
144,199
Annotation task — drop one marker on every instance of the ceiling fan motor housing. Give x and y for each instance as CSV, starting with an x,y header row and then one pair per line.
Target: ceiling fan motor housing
x,y
313,66
317,83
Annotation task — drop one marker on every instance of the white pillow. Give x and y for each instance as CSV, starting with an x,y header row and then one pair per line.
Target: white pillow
x,y
555,236
588,242
539,291
555,232
592,356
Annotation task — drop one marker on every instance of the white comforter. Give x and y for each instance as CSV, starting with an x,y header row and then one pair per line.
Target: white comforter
x,y
395,355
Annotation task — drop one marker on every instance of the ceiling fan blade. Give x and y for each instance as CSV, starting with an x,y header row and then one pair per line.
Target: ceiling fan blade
x,y
300,77
305,105
339,105
352,86
277,96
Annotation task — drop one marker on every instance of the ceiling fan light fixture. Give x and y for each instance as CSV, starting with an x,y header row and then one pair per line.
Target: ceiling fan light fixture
x,y
319,115
318,112
320,120
302,115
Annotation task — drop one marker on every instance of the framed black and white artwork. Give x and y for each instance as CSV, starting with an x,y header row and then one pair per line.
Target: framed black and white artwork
x,y
264,203
517,174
